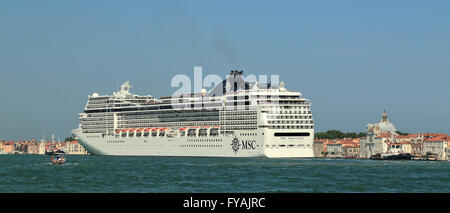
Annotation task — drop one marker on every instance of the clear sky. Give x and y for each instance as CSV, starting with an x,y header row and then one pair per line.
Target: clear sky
x,y
353,59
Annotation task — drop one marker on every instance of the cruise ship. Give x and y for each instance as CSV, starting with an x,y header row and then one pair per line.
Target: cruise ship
x,y
235,119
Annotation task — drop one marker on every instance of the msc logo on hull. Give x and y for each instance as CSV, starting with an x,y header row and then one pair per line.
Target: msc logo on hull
x,y
247,144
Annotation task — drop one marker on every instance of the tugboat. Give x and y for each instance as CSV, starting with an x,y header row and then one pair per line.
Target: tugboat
x,y
57,157
395,153
391,156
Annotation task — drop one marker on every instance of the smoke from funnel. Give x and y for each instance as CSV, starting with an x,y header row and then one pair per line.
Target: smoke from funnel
x,y
225,49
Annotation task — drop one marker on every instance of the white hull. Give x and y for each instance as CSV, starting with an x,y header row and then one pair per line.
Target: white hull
x,y
256,145
235,119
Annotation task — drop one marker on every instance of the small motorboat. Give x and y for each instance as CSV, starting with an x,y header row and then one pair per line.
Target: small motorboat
x,y
58,157
431,157
53,151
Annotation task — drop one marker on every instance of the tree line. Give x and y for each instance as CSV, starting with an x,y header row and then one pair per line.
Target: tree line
x,y
336,134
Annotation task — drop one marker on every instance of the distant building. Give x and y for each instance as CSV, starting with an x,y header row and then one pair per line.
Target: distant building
x,y
319,148
75,148
32,147
382,127
417,145
378,135
350,150
335,150
411,143
437,146
41,148
372,145
448,151
9,147
406,147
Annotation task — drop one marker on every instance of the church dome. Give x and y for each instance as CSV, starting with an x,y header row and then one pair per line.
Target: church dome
x,y
385,125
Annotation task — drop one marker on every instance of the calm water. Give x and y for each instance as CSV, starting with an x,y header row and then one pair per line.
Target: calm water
x,y
34,173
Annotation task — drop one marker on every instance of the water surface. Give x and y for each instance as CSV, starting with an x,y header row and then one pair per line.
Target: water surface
x,y
35,173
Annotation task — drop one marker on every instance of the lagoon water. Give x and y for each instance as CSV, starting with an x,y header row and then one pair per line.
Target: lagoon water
x,y
35,173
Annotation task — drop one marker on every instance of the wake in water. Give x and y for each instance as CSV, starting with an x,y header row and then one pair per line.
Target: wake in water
x,y
65,164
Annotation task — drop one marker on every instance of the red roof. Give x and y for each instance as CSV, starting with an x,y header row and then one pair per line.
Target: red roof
x,y
384,135
442,137
350,145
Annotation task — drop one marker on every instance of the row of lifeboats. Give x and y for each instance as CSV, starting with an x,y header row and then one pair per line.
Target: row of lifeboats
x,y
163,129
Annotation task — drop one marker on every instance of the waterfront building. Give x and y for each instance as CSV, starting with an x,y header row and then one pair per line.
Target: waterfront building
x,y
417,145
448,151
406,147
378,135
350,150
41,148
33,147
372,145
9,147
345,147
26,147
335,150
410,143
319,148
436,146
75,148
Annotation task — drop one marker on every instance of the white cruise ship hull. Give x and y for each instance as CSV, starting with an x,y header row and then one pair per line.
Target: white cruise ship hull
x,y
236,118
242,144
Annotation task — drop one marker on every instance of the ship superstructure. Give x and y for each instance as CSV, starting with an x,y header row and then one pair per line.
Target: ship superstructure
x,y
235,119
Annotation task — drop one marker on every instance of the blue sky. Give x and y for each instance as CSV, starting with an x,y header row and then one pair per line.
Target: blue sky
x,y
353,59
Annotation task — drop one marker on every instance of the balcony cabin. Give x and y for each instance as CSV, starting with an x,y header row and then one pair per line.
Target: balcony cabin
x,y
131,132
214,131
155,132
147,132
182,131
192,132
203,132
